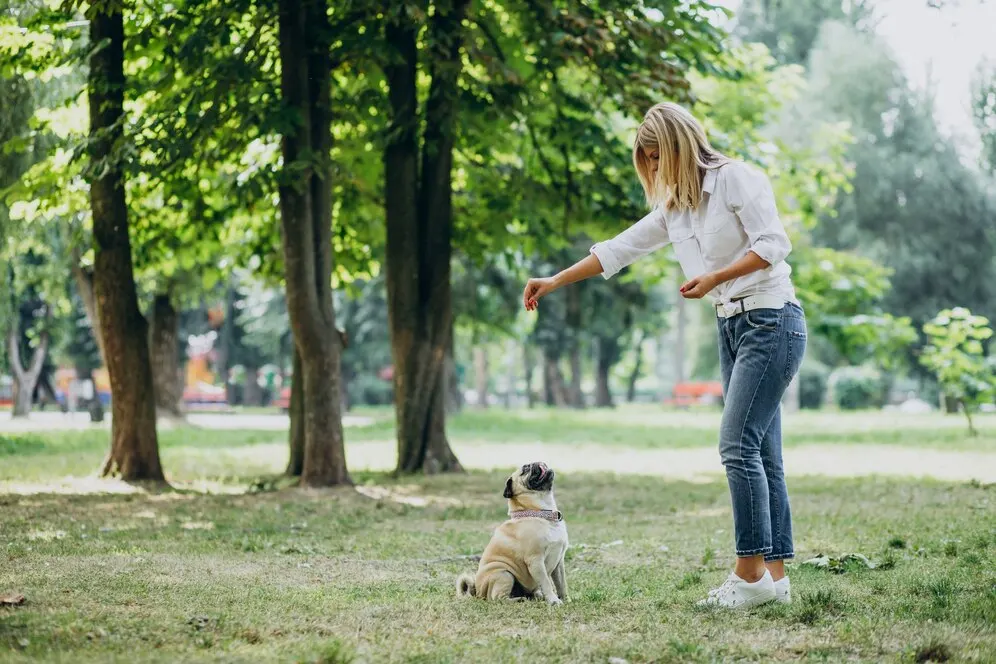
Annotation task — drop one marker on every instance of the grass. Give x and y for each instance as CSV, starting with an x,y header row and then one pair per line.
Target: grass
x,y
336,576
328,575
211,455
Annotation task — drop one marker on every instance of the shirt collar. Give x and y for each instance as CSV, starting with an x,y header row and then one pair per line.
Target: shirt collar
x,y
709,180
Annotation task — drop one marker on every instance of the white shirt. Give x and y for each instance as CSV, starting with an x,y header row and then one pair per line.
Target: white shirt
x,y
737,214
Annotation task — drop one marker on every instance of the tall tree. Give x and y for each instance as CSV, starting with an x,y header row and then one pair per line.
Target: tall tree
x,y
790,29
134,453
25,376
164,354
420,226
306,224
910,188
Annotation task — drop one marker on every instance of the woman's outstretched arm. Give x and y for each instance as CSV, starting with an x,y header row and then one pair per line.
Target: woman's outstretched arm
x,y
587,267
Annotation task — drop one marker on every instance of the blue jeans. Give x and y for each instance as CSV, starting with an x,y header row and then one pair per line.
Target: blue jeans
x,y
759,352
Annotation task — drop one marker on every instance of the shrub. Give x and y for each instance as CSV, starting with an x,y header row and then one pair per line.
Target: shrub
x,y
813,379
855,388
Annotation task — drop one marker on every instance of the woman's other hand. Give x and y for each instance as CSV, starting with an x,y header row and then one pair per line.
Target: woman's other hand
x,y
535,289
699,287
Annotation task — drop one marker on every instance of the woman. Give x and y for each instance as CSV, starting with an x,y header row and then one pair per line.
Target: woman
x,y
720,216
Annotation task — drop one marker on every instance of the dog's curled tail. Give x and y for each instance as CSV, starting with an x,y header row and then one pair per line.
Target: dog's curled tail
x,y
465,585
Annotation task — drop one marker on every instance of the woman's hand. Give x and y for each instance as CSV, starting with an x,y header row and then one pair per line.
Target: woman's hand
x,y
699,287
535,289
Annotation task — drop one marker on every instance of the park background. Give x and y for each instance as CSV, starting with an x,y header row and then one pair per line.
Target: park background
x,y
266,363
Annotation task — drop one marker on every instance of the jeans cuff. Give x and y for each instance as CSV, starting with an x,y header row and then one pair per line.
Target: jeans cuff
x,y
771,557
754,552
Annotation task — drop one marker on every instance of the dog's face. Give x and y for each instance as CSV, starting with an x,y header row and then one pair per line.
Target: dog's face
x,y
532,478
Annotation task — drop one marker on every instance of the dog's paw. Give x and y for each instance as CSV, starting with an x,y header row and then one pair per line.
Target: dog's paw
x,y
554,601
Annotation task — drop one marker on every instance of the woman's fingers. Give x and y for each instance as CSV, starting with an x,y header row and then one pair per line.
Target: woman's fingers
x,y
693,289
535,289
530,295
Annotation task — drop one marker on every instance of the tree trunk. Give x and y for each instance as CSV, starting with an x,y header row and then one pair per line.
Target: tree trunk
x,y
419,212
296,412
481,375
454,397
134,453
634,375
84,284
306,225
25,380
164,351
603,365
93,405
527,362
553,381
968,415
575,395
252,394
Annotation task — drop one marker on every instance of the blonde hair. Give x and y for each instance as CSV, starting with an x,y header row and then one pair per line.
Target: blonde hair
x,y
685,154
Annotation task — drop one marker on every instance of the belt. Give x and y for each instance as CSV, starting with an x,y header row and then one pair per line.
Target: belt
x,y
749,303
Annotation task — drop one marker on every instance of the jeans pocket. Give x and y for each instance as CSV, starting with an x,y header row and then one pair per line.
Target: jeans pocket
x,y
795,340
763,319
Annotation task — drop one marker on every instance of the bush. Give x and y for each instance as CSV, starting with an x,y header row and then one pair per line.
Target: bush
x,y
369,390
854,388
813,379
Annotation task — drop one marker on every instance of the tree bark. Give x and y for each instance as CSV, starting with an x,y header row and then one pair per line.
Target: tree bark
x,y
25,380
167,376
306,225
84,284
575,395
295,466
607,352
419,212
454,397
634,375
481,376
553,382
527,362
134,453
252,394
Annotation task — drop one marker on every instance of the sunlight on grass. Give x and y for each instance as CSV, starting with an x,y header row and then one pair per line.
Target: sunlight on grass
x,y
294,575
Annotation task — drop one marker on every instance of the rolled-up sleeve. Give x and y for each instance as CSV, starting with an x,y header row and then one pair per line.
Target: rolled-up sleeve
x,y
647,235
751,198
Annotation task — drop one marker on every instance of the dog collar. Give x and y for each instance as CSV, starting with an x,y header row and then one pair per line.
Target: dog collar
x,y
549,515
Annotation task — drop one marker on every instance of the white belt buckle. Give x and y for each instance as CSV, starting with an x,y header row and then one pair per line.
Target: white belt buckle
x,y
723,312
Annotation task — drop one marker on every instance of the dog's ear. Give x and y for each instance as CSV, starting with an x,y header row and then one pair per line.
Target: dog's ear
x,y
508,489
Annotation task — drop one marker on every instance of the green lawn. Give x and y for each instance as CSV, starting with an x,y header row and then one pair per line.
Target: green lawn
x,y
333,576
315,576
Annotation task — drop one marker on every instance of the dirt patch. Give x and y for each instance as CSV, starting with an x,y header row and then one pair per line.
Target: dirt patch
x,y
703,465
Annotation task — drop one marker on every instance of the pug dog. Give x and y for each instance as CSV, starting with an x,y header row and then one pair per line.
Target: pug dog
x,y
525,557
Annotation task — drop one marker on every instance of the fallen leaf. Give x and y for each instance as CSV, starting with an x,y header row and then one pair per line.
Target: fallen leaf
x,y
840,565
197,525
11,599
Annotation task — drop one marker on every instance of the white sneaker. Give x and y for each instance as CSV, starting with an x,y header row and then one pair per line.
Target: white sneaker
x,y
735,593
783,591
